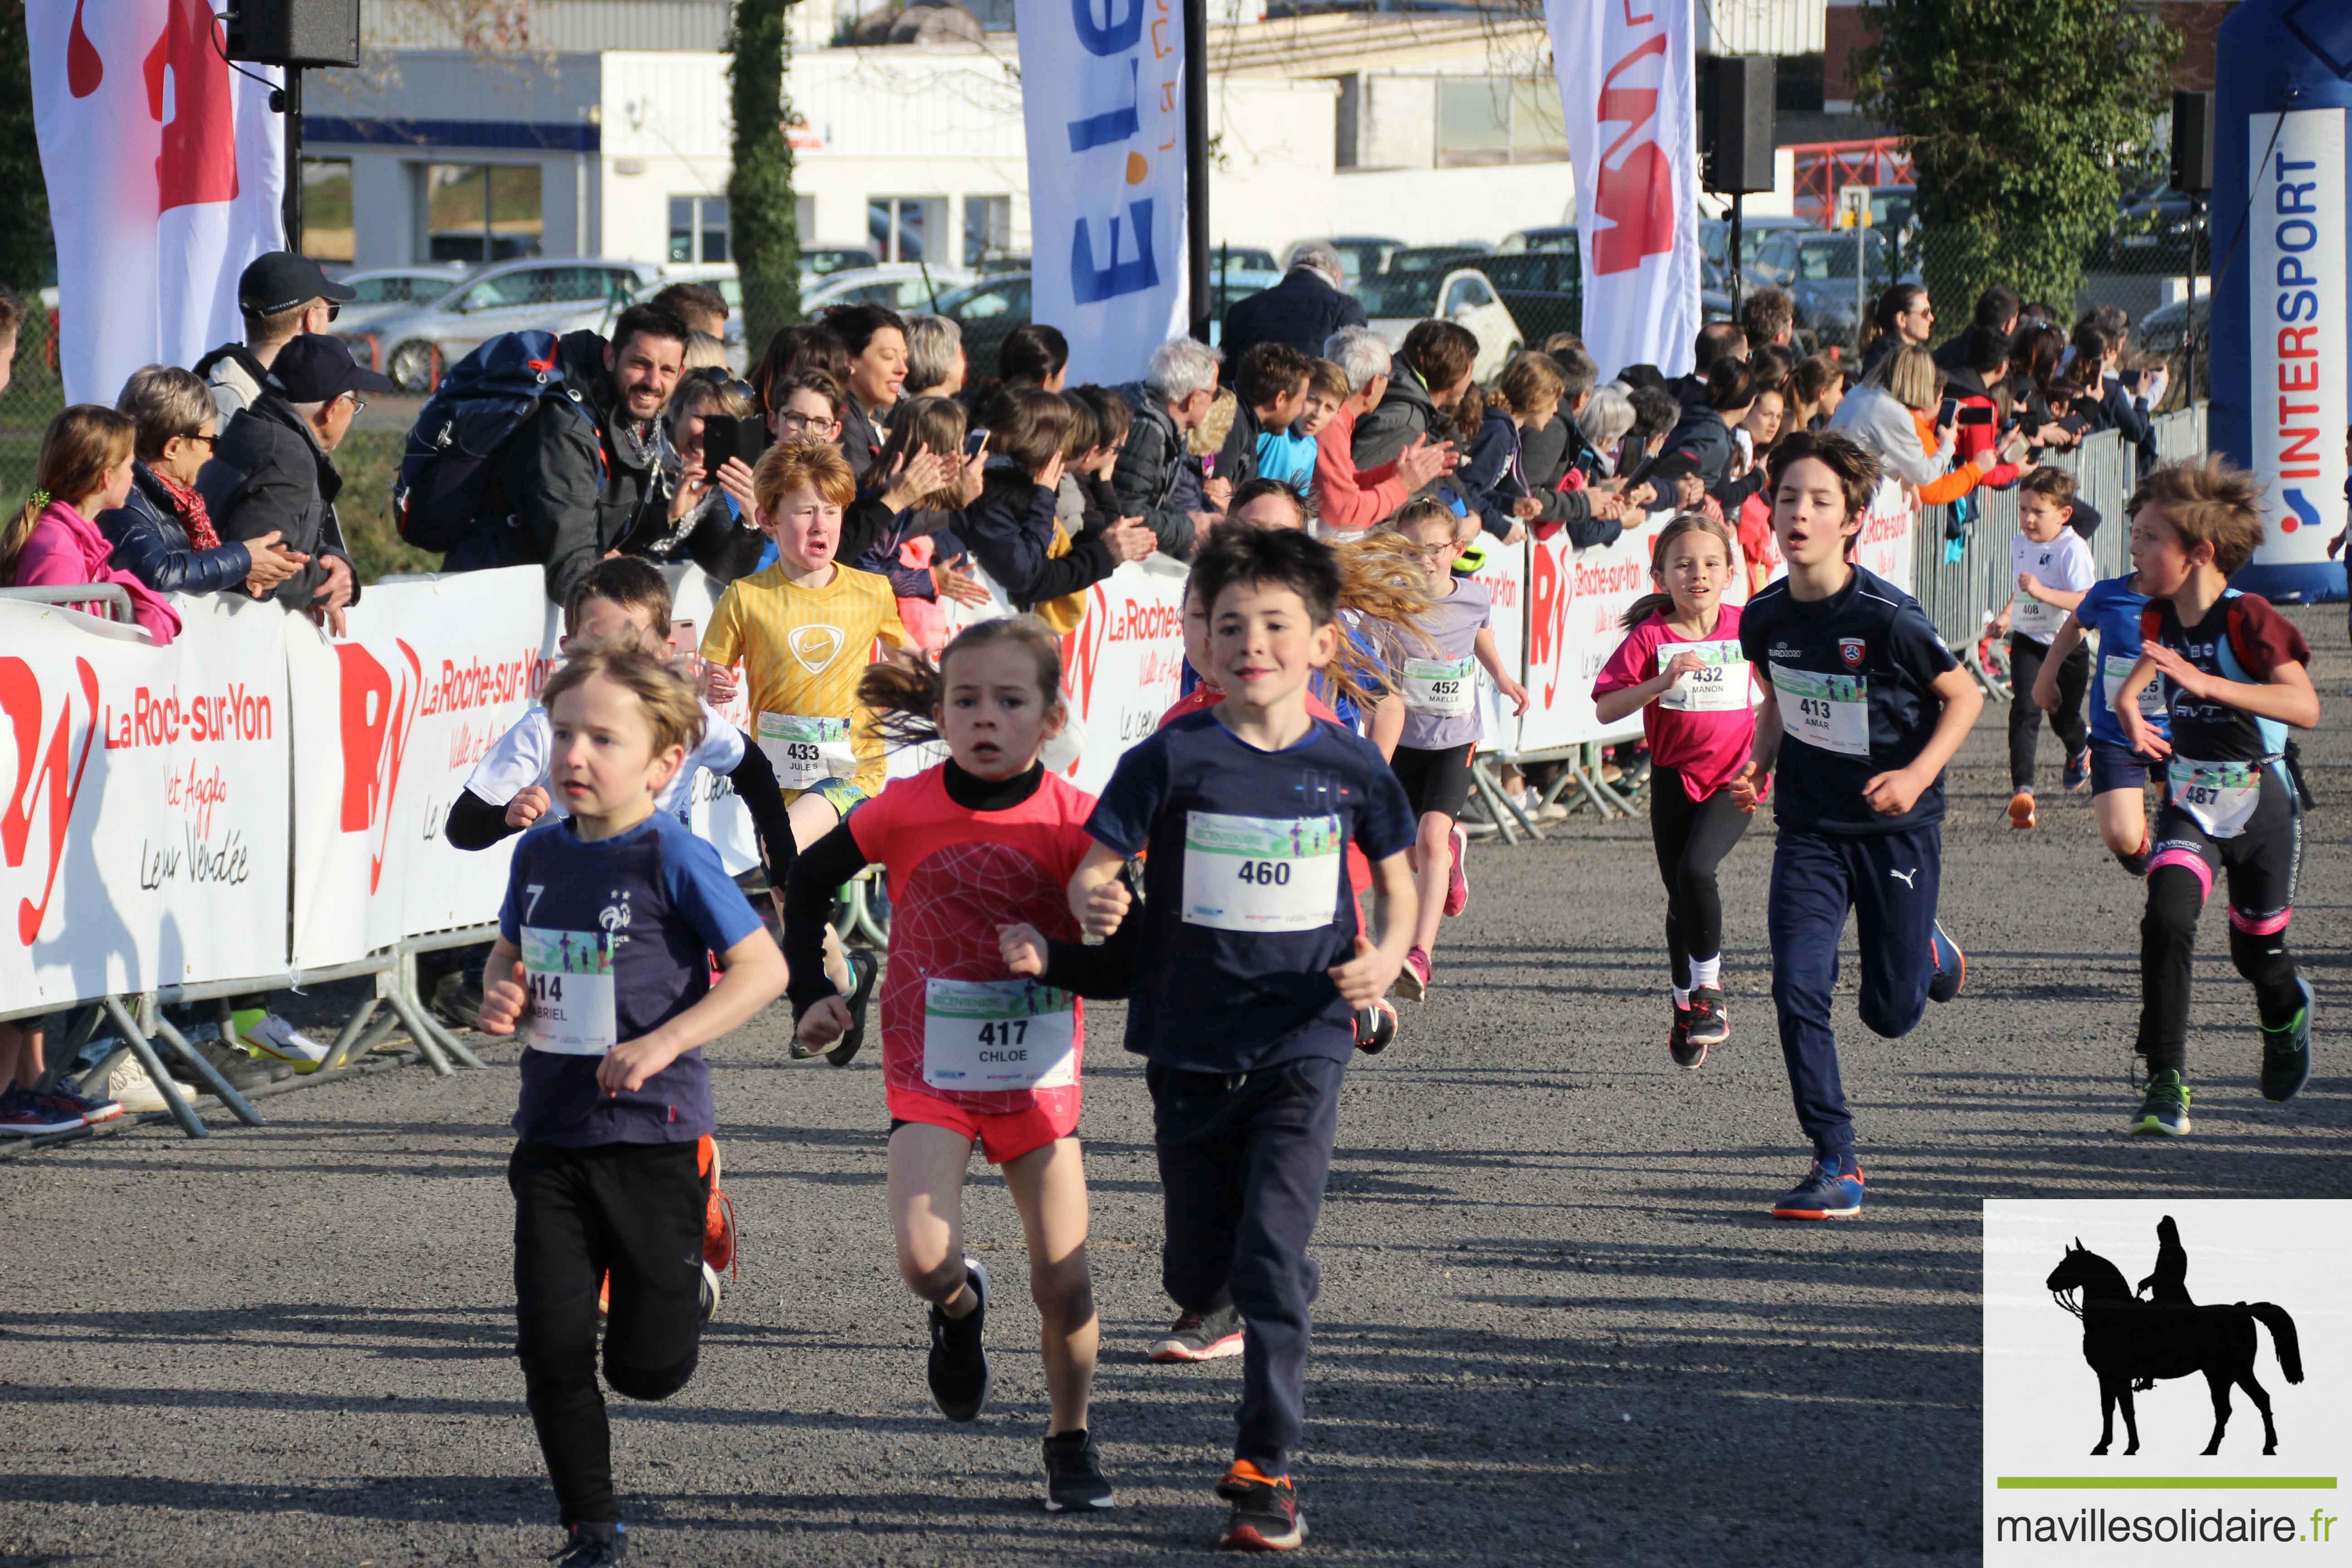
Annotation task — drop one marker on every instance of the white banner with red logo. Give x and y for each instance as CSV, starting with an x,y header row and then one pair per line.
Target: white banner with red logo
x,y
1627,93
142,801
165,172
389,722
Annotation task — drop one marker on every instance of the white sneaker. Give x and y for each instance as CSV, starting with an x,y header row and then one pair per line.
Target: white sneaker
x,y
129,1085
274,1037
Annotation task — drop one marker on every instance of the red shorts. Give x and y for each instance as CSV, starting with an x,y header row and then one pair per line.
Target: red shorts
x,y
1003,1136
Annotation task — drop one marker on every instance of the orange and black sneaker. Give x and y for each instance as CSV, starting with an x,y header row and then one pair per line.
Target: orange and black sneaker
x,y
1265,1516
717,1217
605,1294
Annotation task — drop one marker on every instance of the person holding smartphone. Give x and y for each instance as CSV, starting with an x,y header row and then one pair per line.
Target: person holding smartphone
x,y
709,514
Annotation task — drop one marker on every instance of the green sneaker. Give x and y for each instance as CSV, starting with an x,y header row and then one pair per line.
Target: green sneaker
x,y
2286,1052
2164,1109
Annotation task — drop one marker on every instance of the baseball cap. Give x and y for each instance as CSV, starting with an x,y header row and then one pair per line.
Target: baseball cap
x,y
279,280
315,368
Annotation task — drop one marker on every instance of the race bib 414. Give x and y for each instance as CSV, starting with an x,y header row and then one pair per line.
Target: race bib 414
x,y
568,975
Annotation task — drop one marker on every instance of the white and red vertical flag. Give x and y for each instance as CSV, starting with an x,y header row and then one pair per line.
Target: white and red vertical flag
x,y
165,169
1630,100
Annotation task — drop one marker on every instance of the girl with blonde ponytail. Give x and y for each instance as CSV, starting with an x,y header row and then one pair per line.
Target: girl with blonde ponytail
x,y
54,539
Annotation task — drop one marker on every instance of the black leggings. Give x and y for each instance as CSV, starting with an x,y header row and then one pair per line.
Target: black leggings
x,y
2258,869
2025,657
635,1209
1692,837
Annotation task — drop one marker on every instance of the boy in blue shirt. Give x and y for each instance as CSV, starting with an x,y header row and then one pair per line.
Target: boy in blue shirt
x,y
602,960
1862,708
1254,964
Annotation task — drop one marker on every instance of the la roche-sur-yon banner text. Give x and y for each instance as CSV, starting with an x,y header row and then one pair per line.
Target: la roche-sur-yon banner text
x,y
1627,93
1104,103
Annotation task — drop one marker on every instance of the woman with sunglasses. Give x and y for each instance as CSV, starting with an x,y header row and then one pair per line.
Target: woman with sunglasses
x,y
162,533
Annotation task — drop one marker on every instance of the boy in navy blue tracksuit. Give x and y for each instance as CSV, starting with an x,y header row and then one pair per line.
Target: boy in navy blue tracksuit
x,y
1864,706
1251,965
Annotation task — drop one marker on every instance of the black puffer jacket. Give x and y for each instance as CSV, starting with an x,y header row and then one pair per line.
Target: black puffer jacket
x,y
1149,467
1405,414
269,474
152,543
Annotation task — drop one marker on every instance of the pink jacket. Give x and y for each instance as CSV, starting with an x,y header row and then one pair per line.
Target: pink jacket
x,y
65,547
1349,500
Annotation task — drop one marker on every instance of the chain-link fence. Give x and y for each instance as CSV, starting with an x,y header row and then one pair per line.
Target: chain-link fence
x,y
34,396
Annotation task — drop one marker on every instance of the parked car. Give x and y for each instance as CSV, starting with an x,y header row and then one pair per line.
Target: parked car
x,y
1715,240
1240,258
991,308
1360,256
1544,288
414,345
1817,268
825,260
1550,237
1395,301
903,286
1420,258
384,290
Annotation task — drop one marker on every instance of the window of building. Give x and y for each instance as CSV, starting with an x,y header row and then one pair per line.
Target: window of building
x,y
1487,120
804,218
900,227
987,229
326,209
697,228
481,211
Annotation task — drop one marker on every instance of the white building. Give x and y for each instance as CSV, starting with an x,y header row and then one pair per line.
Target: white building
x,y
609,134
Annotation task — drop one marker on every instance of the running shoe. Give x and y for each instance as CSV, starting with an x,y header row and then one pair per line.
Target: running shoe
x,y
23,1115
593,1545
1265,1516
2164,1108
458,998
2078,770
2136,861
1074,1477
718,1220
2286,1050
710,1291
273,1036
1951,967
1710,1020
864,969
1197,1336
1457,880
605,1294
1375,1026
2021,809
960,1376
1412,980
1678,1043
1826,1193
91,1111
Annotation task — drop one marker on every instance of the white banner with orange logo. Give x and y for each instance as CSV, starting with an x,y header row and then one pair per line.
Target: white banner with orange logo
x,y
389,722
142,801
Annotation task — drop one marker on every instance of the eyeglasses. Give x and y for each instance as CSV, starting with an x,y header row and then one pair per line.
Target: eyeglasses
x,y
791,420
725,380
211,440
359,404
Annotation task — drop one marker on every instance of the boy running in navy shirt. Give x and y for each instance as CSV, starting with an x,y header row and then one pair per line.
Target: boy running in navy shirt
x,y
1253,964
2235,676
602,962
1862,708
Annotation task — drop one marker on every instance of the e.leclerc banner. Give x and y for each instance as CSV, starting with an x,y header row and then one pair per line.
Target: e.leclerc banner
x,y
1627,94
1105,112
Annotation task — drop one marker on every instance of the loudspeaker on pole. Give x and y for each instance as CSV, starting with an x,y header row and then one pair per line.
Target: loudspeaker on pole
x,y
295,32
1735,122
2193,142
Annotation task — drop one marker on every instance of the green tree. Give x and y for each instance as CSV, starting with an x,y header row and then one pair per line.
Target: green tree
x,y
763,226
27,250
2019,114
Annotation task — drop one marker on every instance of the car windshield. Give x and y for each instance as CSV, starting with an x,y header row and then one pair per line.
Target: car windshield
x,y
823,262
1831,256
1400,294
1418,257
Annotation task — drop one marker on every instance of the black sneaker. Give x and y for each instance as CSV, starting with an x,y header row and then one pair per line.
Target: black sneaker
x,y
960,1376
458,998
1678,1041
2286,1051
1265,1516
1072,1477
1951,967
1375,1026
1710,1021
593,1545
1200,1337
864,969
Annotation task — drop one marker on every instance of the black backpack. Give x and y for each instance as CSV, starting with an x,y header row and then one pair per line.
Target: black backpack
x,y
441,495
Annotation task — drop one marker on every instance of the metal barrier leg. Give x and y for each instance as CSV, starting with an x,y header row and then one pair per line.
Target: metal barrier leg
x,y
419,1018
447,1039
1481,774
376,1033
1601,785
203,1068
430,1047
137,1040
341,1050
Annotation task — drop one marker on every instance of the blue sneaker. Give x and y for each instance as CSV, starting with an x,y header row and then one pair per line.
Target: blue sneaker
x,y
1824,1193
2286,1051
1951,967
2078,770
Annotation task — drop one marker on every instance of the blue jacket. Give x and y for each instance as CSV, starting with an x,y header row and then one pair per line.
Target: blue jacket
x,y
151,543
1490,479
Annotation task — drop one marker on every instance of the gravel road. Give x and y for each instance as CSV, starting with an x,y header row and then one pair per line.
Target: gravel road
x,y
1558,1323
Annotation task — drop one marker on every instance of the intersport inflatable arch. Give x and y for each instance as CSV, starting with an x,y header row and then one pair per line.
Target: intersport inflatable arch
x,y
2281,311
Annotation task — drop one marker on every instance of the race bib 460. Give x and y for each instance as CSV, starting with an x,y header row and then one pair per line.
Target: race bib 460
x,y
1261,873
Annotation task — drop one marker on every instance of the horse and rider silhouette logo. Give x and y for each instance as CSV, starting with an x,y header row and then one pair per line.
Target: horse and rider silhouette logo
x,y
2132,1344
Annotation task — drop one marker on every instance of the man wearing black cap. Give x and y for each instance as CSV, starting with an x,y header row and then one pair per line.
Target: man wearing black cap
x,y
281,296
274,469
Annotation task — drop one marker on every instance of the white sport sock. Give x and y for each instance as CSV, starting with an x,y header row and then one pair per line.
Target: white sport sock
x,y
1706,973
1682,998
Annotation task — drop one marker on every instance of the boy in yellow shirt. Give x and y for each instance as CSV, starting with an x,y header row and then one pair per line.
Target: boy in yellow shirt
x,y
804,629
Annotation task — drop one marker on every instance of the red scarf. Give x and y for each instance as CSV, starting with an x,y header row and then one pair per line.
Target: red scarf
x,y
192,515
